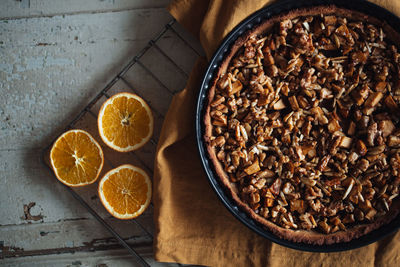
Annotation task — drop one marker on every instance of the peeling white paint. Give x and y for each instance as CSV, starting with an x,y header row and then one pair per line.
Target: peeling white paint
x,y
51,61
49,69
25,3
33,63
13,76
7,68
23,8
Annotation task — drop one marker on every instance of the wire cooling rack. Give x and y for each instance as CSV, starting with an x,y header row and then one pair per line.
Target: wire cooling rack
x,y
155,75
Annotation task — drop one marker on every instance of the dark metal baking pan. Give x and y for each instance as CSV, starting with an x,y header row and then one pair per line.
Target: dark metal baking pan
x,y
253,20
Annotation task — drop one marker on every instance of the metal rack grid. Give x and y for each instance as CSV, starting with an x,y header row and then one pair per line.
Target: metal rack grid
x,y
104,94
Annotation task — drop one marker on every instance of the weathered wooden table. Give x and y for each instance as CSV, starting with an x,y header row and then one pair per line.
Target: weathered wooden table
x,y
55,57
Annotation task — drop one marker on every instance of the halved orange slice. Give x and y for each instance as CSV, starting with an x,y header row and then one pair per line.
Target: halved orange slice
x,y
125,191
76,158
125,122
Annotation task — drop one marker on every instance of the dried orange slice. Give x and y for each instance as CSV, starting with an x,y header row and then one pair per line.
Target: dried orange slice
x,y
125,122
76,158
125,191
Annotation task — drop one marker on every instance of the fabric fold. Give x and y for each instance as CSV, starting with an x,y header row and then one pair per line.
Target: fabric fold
x,y
191,224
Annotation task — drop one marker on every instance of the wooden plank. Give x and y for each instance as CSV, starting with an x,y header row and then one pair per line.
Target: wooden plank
x,y
24,180
51,67
108,258
69,235
70,72
38,180
31,182
39,8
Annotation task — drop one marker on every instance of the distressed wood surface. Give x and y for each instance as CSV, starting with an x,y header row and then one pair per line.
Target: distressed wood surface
x,y
55,56
12,9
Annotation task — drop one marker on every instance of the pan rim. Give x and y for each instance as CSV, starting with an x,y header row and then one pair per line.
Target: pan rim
x,y
248,23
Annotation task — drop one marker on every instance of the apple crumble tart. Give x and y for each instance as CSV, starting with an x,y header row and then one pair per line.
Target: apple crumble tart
x,y
302,124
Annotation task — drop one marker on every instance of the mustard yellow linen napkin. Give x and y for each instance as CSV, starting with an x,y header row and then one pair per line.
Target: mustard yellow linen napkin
x,y
192,225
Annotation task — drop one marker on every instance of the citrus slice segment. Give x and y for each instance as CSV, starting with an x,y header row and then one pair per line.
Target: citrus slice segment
x,y
76,158
125,191
125,122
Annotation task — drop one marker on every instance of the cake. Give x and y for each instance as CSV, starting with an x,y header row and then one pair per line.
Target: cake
x,y
302,124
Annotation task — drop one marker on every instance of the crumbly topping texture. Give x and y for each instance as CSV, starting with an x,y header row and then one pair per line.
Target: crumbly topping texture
x,y
305,123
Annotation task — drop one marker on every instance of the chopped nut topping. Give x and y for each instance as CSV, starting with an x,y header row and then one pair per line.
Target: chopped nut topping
x,y
361,148
345,142
387,127
253,168
305,122
293,103
279,105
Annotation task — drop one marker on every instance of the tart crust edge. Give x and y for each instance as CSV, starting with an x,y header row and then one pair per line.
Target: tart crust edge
x,y
310,237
